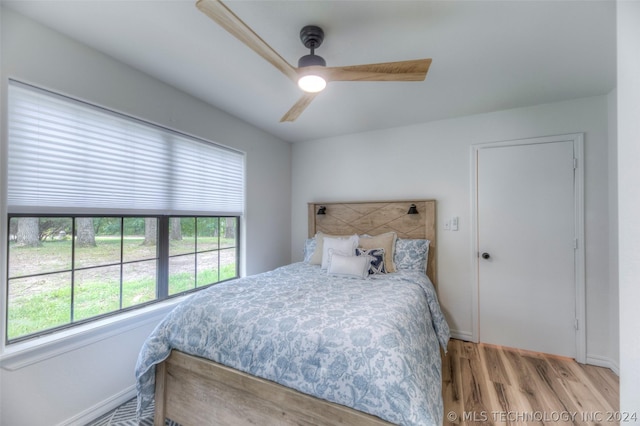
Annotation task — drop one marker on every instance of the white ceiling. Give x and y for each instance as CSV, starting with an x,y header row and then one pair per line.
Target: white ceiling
x,y
487,55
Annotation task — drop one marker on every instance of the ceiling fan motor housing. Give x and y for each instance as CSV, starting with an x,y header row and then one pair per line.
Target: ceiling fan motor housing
x,y
312,37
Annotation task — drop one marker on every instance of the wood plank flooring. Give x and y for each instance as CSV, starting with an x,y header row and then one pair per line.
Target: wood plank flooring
x,y
485,384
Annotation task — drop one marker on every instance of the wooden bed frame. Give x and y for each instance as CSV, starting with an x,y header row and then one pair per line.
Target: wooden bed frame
x,y
195,391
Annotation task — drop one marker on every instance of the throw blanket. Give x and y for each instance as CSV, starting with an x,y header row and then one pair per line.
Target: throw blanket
x,y
368,344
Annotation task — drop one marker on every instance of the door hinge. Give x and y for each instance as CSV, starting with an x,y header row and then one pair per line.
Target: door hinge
x,y
576,324
575,163
575,243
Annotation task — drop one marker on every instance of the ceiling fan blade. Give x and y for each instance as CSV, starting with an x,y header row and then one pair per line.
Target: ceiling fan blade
x,y
298,107
415,70
228,20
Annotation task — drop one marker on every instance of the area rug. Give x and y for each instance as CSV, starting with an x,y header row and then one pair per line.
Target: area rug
x,y
125,415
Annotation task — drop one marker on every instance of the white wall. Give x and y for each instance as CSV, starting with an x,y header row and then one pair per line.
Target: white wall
x,y
432,160
56,390
628,40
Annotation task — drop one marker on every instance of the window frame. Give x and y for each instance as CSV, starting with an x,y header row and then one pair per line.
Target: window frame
x,y
163,257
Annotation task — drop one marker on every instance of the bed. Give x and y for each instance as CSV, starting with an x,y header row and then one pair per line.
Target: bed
x,y
307,345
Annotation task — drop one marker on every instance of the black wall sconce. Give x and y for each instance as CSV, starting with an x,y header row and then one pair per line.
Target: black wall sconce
x,y
412,209
322,210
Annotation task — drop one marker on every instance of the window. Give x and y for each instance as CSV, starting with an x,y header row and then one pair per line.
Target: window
x,y
111,264
108,213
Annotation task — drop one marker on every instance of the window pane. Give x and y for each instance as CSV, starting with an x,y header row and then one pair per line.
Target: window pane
x,y
228,265
182,235
138,283
96,292
228,232
38,303
95,248
37,246
208,231
140,239
182,273
208,268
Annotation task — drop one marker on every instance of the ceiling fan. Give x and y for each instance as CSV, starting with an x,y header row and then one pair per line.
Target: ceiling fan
x,y
311,68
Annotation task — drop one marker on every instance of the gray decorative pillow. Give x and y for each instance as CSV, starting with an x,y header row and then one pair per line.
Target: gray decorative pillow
x,y
377,262
411,254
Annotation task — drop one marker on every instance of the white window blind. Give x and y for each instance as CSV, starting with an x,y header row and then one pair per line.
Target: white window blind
x,y
68,156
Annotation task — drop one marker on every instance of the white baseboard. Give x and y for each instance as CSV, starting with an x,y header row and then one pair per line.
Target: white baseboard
x,y
462,335
101,408
600,361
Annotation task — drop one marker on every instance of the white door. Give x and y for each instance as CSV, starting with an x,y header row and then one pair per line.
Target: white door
x,y
526,231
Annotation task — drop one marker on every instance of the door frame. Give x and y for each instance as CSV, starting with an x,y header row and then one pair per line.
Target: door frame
x,y
579,253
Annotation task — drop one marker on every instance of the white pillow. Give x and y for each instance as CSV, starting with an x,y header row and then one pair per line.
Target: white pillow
x,y
344,246
349,266
316,256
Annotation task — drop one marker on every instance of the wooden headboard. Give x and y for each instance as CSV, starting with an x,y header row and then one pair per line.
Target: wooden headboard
x,y
378,217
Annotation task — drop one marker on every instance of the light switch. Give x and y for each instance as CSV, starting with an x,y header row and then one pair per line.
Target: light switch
x,y
454,223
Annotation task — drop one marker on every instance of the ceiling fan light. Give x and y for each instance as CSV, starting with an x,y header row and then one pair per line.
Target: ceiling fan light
x,y
312,83
310,73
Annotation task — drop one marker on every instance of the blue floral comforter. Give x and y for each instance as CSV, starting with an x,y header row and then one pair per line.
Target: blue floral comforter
x,y
368,344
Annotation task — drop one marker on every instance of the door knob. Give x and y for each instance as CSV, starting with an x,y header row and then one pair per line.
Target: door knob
x,y
486,255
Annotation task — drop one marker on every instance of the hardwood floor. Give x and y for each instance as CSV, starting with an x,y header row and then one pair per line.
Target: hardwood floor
x,y
486,384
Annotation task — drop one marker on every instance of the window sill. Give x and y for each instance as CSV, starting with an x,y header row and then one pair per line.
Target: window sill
x,y
24,354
